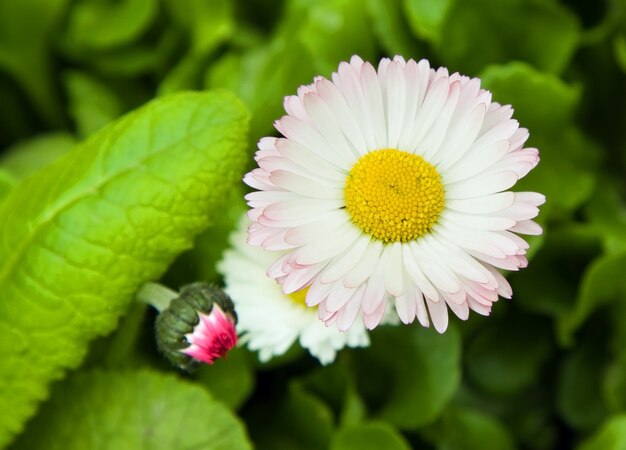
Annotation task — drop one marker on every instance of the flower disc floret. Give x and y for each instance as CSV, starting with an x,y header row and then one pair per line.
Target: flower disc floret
x,y
394,196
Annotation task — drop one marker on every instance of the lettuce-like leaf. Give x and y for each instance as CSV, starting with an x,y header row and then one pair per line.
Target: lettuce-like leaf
x,y
132,410
77,239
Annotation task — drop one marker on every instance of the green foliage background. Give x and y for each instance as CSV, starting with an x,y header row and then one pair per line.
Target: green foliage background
x,y
92,205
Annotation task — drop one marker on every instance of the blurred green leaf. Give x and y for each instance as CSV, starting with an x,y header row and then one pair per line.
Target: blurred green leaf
x,y
481,32
520,85
369,436
465,429
335,386
611,436
579,388
262,77
427,17
388,21
92,104
603,282
208,24
131,410
506,356
25,158
300,421
409,374
549,284
230,379
100,25
302,46
82,235
27,28
606,214
619,46
320,25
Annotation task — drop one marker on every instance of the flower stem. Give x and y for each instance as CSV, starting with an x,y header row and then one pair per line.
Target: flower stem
x,y
156,295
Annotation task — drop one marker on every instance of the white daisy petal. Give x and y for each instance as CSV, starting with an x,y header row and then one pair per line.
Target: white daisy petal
x,y
438,314
365,267
406,307
340,266
391,184
372,320
305,186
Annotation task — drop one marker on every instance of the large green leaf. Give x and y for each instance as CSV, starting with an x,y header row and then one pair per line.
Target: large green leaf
x,y
131,410
77,239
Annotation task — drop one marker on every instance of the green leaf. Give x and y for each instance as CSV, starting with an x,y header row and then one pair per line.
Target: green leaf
x,y
603,282
335,386
130,410
299,421
82,235
262,77
92,104
520,85
506,356
549,284
97,25
619,46
25,158
607,214
26,31
326,23
412,373
388,21
481,32
611,436
209,24
465,429
369,436
303,45
579,388
427,17
230,379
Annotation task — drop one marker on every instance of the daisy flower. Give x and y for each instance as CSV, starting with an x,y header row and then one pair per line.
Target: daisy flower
x,y
391,186
270,321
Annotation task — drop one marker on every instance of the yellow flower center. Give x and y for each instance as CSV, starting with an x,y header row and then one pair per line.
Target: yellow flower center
x,y
299,297
394,195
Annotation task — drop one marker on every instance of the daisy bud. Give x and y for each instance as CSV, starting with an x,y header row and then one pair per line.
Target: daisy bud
x,y
197,326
